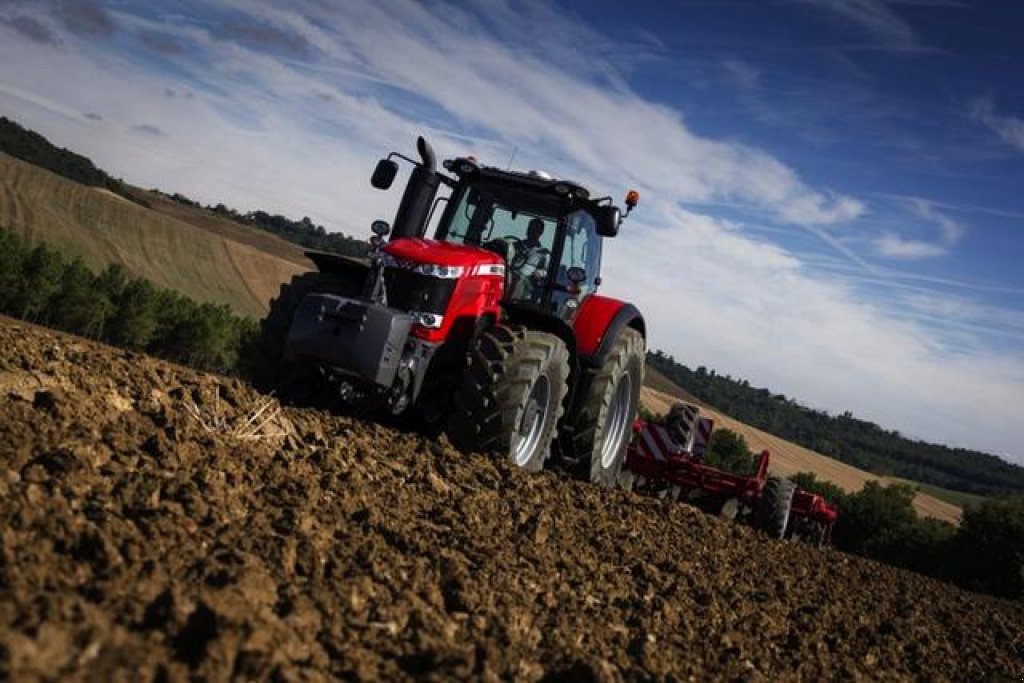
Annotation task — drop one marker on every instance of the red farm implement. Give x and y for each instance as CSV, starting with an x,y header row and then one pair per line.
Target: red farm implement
x,y
667,460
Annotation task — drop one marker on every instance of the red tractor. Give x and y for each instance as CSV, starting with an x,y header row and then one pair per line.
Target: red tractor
x,y
492,329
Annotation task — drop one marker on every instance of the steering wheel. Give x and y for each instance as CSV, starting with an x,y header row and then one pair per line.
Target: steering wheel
x,y
520,252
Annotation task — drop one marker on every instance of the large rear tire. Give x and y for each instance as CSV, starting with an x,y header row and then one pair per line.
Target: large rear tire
x,y
603,426
264,359
510,398
773,508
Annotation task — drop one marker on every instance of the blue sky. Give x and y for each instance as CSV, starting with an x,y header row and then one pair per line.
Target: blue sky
x,y
831,189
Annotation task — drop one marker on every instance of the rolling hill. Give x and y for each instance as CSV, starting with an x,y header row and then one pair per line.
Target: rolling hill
x,y
208,261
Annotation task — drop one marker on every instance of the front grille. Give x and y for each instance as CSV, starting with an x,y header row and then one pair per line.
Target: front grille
x,y
409,291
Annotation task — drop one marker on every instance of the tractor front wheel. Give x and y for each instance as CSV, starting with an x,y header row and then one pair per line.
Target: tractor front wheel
x,y
511,396
773,508
603,427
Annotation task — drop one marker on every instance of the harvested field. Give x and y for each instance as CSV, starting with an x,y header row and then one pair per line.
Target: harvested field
x,y
102,228
789,458
151,529
228,229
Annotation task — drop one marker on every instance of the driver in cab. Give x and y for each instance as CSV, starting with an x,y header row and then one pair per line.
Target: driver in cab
x,y
529,263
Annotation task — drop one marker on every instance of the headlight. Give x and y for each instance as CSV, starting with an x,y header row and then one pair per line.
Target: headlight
x,y
444,272
428,269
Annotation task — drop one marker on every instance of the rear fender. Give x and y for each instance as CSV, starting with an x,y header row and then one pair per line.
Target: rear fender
x,y
598,325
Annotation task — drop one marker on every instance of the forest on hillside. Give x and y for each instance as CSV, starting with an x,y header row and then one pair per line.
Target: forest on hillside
x,y
29,146
844,437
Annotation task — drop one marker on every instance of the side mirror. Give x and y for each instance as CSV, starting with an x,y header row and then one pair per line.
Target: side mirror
x,y
380,228
384,174
576,275
607,219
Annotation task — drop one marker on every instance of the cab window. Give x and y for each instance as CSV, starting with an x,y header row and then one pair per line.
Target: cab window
x,y
582,249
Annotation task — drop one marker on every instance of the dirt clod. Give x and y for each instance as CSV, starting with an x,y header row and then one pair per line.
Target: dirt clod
x,y
152,529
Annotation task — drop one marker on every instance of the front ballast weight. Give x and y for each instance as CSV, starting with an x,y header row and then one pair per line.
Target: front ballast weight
x,y
667,460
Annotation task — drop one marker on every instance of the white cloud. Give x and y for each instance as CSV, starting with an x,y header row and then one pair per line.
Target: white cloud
x,y
949,232
1009,128
894,246
301,137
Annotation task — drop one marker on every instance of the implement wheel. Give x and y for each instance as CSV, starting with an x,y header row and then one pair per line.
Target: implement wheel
x,y
511,396
772,510
603,426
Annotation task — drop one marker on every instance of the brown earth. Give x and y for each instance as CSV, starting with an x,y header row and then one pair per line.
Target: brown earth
x,y
789,458
156,525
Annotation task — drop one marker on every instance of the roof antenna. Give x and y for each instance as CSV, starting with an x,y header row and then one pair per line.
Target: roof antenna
x,y
511,157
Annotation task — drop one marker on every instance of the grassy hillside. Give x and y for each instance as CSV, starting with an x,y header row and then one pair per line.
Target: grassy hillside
x,y
103,228
225,227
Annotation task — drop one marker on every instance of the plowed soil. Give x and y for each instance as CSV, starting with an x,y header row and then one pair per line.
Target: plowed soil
x,y
154,526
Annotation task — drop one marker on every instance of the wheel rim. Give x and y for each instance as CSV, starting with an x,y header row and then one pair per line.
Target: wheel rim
x,y
531,425
617,422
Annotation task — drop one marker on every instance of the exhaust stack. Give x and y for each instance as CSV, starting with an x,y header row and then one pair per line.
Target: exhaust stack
x,y
411,218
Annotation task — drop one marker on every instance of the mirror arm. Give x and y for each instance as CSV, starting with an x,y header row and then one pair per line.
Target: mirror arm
x,y
403,157
450,182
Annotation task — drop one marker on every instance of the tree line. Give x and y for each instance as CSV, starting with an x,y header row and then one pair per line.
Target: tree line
x,y
29,146
39,285
846,438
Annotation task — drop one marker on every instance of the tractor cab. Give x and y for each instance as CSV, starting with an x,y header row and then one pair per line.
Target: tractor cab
x,y
546,232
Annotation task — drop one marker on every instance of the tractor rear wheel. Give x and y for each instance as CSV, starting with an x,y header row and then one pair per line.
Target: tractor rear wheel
x,y
603,427
510,398
772,510
263,359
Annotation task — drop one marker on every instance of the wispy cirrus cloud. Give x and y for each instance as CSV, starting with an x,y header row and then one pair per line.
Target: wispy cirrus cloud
x,y
1009,128
875,18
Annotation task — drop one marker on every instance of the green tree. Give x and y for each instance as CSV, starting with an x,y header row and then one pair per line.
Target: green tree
x,y
12,256
728,451
41,275
135,320
873,515
78,306
990,547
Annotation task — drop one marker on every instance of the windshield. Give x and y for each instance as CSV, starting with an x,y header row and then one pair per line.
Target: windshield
x,y
493,212
524,227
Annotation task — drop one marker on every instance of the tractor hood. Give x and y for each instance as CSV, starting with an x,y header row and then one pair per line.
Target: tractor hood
x,y
451,259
